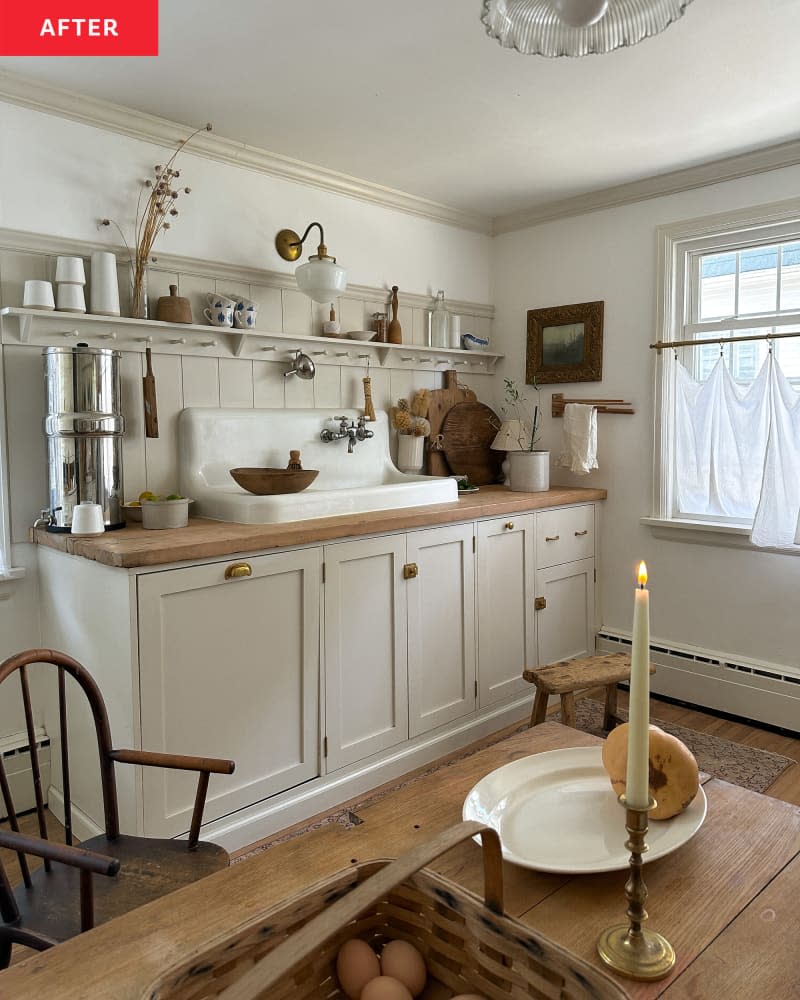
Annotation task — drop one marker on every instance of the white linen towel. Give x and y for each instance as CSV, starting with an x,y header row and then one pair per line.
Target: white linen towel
x,y
579,449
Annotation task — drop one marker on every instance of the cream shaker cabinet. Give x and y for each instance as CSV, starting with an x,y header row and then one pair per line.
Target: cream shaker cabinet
x,y
229,667
505,596
441,626
564,601
399,638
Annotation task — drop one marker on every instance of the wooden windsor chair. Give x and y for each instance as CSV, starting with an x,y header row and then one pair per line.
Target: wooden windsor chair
x,y
61,898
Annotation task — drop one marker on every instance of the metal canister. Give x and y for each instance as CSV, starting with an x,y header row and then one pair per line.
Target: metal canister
x,y
84,427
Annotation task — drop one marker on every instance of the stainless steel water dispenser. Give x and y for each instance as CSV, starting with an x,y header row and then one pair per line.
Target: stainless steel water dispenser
x,y
84,427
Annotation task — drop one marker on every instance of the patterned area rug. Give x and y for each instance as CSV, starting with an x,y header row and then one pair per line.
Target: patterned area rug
x,y
733,762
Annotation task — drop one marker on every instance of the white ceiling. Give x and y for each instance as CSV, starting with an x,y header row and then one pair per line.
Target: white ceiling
x,y
414,96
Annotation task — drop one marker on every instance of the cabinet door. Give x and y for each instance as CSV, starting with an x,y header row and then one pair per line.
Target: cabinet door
x,y
565,625
506,619
441,627
229,668
366,708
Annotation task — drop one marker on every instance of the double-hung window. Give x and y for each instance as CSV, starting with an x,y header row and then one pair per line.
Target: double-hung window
x,y
728,392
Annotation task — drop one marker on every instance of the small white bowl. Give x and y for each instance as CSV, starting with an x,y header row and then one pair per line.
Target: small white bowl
x,y
165,513
472,343
360,334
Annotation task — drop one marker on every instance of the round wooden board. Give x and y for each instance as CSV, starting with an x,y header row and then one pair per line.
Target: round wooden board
x,y
468,430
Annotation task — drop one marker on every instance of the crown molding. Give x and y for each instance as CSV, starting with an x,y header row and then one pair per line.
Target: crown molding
x,y
43,97
786,154
41,243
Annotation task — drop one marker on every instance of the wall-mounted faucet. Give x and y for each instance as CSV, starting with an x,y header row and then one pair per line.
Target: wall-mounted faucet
x,y
347,429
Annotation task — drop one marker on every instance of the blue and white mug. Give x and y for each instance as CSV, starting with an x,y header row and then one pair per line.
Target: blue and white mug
x,y
244,314
219,315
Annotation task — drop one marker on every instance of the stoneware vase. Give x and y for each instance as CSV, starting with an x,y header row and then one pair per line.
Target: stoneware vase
x,y
530,471
410,452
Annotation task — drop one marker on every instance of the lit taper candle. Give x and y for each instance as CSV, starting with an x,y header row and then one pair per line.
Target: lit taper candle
x,y
637,793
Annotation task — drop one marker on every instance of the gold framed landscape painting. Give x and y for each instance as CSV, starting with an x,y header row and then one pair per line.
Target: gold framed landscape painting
x,y
565,344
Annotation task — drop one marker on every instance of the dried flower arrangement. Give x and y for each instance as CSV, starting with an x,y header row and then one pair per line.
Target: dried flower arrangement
x,y
411,418
156,215
529,419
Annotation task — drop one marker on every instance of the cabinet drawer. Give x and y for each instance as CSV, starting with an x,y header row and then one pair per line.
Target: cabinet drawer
x,y
564,535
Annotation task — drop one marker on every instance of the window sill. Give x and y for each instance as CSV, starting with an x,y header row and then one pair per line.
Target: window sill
x,y
709,533
8,580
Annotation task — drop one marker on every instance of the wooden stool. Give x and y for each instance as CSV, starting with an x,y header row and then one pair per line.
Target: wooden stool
x,y
567,677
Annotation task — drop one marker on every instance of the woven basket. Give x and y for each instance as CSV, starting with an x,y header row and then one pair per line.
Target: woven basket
x,y
469,946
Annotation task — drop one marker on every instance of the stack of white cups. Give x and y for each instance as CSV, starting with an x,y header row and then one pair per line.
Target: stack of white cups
x,y
70,278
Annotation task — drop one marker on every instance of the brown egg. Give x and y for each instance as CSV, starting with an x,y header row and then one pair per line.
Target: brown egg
x,y
402,960
356,964
385,988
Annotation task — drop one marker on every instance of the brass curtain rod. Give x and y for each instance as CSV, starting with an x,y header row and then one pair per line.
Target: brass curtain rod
x,y
661,345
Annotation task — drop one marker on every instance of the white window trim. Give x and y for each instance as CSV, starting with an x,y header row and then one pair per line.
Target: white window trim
x,y
676,242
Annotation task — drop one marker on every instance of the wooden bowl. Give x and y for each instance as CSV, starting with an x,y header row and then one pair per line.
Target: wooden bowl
x,y
264,482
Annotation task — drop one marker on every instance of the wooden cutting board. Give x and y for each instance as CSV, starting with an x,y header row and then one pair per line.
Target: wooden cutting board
x,y
468,430
440,402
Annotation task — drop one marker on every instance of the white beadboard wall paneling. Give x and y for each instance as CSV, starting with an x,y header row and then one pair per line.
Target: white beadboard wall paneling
x,y
235,383
269,385
27,444
201,381
161,453
299,393
15,268
270,306
296,313
195,288
327,386
134,467
353,388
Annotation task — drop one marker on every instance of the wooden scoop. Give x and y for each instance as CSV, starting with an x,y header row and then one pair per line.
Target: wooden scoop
x,y
150,405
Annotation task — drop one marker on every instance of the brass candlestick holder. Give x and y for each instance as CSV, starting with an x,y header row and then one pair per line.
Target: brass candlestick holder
x,y
630,949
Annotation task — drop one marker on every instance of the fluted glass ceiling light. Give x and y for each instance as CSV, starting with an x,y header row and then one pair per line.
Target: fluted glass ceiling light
x,y
321,278
577,27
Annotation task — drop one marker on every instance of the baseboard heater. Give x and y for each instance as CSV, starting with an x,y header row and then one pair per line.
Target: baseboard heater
x,y
15,750
746,689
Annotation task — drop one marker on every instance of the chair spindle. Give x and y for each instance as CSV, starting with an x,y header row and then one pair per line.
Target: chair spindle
x,y
13,822
34,754
62,718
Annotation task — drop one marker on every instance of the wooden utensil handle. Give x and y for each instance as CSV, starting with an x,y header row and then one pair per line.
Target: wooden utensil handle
x,y
309,938
149,356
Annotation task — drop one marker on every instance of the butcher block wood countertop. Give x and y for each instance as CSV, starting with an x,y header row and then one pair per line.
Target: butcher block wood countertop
x,y
132,546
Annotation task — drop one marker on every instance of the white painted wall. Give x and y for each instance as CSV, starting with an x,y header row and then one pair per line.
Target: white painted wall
x,y
738,602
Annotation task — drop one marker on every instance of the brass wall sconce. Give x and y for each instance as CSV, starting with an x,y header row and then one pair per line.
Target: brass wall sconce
x,y
321,278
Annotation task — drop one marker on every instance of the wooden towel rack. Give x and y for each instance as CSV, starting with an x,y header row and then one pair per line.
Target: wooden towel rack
x,y
601,405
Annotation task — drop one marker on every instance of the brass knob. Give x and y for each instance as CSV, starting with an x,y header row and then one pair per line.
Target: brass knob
x,y
410,571
237,570
552,538
509,525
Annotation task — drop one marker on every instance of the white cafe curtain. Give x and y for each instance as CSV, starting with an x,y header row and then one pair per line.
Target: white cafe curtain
x,y
738,450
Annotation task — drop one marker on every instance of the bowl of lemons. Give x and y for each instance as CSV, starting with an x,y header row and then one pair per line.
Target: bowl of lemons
x,y
170,510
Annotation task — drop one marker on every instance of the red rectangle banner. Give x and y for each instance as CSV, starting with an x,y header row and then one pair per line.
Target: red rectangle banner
x,y
79,27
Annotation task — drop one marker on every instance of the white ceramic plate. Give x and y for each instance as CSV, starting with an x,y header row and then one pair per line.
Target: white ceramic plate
x,y
360,334
556,812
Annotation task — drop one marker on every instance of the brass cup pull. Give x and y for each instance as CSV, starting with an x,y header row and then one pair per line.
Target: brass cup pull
x,y
580,534
509,525
410,571
237,570
552,538
539,603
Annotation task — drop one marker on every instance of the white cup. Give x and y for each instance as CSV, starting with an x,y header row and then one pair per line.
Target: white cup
x,y
38,295
87,519
69,298
219,315
104,289
217,301
70,269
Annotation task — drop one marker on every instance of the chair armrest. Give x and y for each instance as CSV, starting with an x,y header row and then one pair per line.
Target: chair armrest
x,y
213,765
77,857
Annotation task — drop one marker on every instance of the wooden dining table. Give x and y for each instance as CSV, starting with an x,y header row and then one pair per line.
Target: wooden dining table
x,y
728,899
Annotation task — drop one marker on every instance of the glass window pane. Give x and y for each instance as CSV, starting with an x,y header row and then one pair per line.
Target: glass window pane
x,y
717,285
758,280
790,277
788,354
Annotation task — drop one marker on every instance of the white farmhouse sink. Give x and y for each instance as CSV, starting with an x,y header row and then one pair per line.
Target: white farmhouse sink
x,y
213,441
